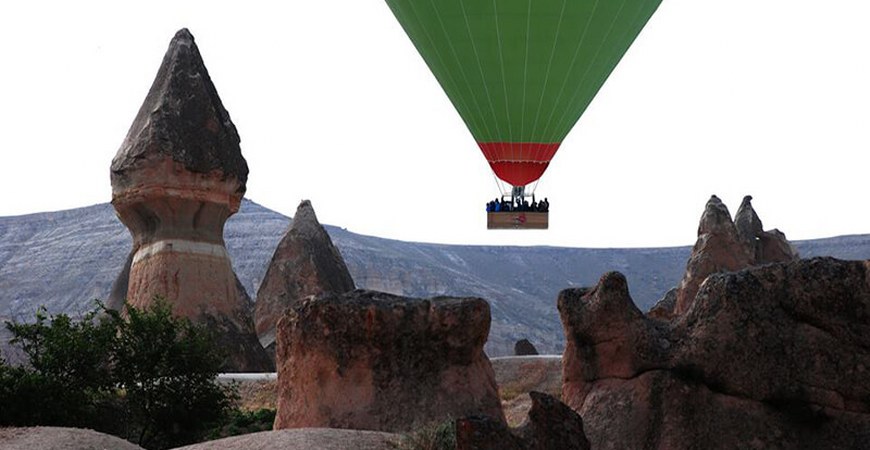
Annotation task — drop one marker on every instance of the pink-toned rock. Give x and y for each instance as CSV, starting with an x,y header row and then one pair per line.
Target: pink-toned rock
x,y
726,246
177,177
719,248
606,336
373,361
765,246
774,356
305,263
550,425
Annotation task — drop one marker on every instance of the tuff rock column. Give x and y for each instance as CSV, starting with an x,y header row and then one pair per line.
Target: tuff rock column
x,y
177,177
305,263
368,360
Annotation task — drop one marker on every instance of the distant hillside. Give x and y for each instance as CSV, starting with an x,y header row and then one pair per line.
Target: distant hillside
x,y
65,259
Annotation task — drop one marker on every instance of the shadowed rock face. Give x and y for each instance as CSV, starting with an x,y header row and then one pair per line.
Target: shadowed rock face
x,y
524,347
176,179
772,356
305,263
550,425
373,361
726,246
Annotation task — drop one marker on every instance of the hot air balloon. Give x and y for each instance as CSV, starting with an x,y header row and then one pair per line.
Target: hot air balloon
x,y
521,73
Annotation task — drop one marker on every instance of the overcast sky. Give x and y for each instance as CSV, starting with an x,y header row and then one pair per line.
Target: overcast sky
x,y
333,104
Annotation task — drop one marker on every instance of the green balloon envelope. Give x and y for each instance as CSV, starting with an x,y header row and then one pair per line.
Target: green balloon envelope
x,y
521,72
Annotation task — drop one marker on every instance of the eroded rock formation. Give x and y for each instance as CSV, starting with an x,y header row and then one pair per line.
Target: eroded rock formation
x,y
177,177
724,245
775,356
524,347
374,361
550,425
305,263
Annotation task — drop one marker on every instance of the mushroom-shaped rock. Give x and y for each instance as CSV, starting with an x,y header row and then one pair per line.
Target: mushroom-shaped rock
x,y
374,361
719,248
177,177
774,356
305,263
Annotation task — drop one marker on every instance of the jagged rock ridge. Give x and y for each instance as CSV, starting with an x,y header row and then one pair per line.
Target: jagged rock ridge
x,y
772,356
724,245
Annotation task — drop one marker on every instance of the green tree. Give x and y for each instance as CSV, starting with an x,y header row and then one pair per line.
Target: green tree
x,y
68,381
146,375
168,367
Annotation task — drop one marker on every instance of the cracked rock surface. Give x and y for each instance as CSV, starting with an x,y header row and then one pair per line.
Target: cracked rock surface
x,y
768,357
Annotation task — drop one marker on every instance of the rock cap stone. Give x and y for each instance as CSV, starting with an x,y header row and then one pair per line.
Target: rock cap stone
x,y
183,118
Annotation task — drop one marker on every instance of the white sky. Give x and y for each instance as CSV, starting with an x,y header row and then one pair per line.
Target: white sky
x,y
333,104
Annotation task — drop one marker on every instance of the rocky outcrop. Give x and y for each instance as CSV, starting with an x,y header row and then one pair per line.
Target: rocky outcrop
x,y
177,177
60,438
724,245
765,246
550,425
373,361
304,439
771,356
524,348
304,263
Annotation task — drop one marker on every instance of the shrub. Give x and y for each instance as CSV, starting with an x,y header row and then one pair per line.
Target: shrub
x,y
149,377
244,422
435,436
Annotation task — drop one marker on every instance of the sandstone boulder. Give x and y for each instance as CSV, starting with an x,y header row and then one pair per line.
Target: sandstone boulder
x,y
374,361
304,263
177,177
768,357
60,438
550,425
524,347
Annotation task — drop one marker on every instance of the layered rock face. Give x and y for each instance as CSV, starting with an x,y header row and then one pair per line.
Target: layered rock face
x,y
176,179
373,361
724,245
775,356
305,263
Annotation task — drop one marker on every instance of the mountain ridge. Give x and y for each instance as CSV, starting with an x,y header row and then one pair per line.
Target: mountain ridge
x,y
65,259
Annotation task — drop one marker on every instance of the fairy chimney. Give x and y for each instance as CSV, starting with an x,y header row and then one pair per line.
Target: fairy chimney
x,y
305,263
177,177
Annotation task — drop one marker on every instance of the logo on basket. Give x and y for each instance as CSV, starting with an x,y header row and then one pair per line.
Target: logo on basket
x,y
520,219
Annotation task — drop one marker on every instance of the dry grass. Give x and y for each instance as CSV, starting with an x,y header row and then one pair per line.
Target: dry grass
x,y
254,395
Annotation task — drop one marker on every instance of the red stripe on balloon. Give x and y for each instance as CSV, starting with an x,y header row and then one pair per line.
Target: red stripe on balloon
x,y
518,163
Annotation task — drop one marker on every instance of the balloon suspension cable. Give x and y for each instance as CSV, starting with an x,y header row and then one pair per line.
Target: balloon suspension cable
x,y
497,184
533,187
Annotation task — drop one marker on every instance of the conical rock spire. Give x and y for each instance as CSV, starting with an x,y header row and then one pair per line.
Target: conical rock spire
x,y
183,118
305,263
176,179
